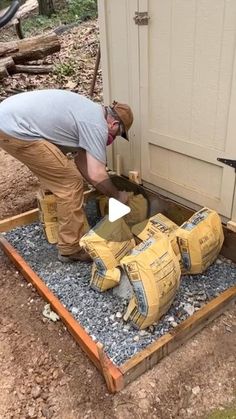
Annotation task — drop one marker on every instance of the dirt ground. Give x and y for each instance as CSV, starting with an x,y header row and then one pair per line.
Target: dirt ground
x,y
44,374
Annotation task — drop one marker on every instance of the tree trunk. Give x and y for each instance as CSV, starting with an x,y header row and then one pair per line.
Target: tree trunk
x,y
46,7
32,69
30,49
5,64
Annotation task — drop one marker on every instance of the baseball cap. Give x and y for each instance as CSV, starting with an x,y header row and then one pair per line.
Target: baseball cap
x,y
125,115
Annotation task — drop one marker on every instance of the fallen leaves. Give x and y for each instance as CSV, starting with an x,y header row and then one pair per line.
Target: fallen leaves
x,y
79,46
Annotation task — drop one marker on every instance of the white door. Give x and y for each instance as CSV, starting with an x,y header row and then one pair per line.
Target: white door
x,y
188,99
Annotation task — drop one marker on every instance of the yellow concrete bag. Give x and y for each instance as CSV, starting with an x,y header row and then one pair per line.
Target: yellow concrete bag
x,y
139,209
108,242
103,202
104,280
200,240
47,206
154,272
152,228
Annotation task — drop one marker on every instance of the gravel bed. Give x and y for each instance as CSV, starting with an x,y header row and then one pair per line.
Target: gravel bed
x,y
101,314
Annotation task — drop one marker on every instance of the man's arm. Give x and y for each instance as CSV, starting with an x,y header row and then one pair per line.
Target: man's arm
x,y
95,173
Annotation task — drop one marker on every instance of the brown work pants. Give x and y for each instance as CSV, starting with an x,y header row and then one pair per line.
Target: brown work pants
x,y
59,175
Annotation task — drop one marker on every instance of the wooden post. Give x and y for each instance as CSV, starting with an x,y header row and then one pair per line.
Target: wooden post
x,y
104,361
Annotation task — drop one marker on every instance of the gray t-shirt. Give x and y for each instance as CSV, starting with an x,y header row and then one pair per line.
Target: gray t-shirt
x,y
62,117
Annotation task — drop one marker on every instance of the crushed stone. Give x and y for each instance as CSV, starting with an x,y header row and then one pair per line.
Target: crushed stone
x,y
98,313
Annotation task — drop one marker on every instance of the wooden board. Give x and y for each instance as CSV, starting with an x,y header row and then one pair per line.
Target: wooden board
x,y
150,356
19,220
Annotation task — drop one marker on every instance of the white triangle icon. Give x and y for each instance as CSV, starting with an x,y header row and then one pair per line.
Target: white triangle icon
x,y
116,209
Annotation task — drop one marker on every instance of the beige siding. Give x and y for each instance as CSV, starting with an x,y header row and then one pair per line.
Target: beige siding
x,y
120,51
179,75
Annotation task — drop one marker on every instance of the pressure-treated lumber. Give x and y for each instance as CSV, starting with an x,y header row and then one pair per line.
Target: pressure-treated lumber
x,y
27,217
107,367
77,331
150,356
231,225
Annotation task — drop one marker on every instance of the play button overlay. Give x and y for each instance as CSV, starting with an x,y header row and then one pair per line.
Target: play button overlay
x,y
117,210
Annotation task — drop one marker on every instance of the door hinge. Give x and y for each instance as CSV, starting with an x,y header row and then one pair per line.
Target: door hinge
x,y
141,18
231,163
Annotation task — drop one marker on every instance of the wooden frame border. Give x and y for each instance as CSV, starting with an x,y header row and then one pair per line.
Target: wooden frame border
x,y
118,377
111,373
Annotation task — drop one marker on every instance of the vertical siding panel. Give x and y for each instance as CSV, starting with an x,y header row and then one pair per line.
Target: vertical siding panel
x,y
210,18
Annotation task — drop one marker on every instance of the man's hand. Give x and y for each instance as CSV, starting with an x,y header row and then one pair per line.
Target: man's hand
x,y
95,173
123,197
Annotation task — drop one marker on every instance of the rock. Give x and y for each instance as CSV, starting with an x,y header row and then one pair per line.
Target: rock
x,y
48,413
112,317
44,395
118,315
75,310
55,374
228,329
126,327
124,290
64,381
151,329
189,309
171,319
142,333
142,394
196,390
36,391
136,338
31,412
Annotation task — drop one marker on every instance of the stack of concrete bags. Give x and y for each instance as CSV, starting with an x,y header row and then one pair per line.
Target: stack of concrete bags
x,y
153,263
197,242
107,243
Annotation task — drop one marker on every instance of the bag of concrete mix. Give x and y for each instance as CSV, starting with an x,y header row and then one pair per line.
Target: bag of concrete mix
x,y
155,225
139,209
103,203
154,272
104,280
108,242
200,240
47,206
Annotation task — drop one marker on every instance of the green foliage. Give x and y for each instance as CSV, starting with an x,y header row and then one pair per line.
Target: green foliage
x,y
65,69
223,414
75,12
83,9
